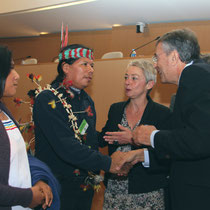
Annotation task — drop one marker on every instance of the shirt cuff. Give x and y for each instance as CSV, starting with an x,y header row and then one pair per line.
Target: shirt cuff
x,y
152,137
146,159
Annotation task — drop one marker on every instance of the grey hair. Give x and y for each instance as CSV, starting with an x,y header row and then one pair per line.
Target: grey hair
x,y
184,41
149,71
205,57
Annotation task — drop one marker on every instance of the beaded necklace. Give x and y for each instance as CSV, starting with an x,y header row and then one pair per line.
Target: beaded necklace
x,y
92,180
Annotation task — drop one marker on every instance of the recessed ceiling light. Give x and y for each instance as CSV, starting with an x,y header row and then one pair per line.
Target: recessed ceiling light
x,y
44,33
116,25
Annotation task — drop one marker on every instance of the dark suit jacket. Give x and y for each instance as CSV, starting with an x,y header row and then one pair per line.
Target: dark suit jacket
x,y
9,196
141,179
187,143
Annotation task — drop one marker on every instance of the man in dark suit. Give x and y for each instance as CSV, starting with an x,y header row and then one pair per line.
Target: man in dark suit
x,y
187,140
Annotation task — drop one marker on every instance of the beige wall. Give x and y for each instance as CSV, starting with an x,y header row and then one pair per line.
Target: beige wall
x,y
106,88
124,39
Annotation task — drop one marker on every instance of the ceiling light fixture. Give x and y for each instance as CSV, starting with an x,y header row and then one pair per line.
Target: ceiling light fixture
x,y
44,33
56,6
116,25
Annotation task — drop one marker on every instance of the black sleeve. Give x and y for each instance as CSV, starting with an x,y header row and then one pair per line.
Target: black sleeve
x,y
13,196
114,118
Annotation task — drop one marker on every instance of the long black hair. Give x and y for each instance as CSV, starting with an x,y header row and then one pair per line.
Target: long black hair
x,y
60,77
5,66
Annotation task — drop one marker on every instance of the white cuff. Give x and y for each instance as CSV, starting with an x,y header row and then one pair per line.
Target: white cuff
x,y
152,137
146,159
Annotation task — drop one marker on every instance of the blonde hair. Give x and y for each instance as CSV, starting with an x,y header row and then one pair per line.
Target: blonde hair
x,y
149,71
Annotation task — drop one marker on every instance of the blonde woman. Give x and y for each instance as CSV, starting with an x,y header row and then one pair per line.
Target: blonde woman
x,y
142,188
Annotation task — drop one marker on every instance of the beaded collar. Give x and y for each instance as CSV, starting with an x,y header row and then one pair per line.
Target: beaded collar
x,y
92,180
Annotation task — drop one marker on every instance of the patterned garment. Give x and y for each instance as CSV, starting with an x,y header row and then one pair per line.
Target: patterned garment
x,y
116,194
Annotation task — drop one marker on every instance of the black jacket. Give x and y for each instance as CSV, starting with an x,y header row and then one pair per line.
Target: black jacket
x,y
56,144
141,179
187,143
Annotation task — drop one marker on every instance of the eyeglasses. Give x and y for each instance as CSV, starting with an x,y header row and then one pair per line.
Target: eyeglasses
x,y
156,57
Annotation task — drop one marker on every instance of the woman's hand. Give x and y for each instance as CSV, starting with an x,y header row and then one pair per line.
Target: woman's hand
x,y
38,196
47,193
124,136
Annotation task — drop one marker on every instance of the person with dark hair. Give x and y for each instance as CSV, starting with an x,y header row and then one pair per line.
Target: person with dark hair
x,y
186,141
65,133
142,188
16,191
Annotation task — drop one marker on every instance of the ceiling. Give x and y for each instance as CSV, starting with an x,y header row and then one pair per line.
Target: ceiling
x,y
20,18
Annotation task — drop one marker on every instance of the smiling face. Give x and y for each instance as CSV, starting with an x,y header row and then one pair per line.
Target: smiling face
x,y
11,83
169,66
135,83
162,63
80,72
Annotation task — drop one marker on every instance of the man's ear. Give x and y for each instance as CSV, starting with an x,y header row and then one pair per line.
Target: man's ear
x,y
65,67
174,56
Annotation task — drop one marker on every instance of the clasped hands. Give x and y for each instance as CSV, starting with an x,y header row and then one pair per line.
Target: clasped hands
x,y
122,162
42,195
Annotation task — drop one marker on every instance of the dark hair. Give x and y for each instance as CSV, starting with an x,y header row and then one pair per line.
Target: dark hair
x,y
182,40
60,77
5,67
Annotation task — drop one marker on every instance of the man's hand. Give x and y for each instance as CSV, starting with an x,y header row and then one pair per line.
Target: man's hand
x,y
135,156
47,193
141,135
123,136
122,162
38,196
119,164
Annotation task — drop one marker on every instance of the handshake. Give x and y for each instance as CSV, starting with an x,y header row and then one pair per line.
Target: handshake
x,y
122,162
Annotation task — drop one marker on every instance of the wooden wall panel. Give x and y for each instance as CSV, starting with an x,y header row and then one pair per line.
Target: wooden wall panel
x,y
48,72
106,88
123,38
